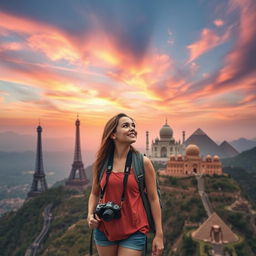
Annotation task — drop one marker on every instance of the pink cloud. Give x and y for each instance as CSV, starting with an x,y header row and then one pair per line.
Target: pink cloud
x,y
218,22
208,40
239,68
21,25
169,89
11,46
240,62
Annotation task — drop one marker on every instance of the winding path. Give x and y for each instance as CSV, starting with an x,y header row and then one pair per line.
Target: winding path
x,y
204,197
32,250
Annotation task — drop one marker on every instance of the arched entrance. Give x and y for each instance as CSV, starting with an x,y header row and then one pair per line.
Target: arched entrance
x,y
163,152
195,168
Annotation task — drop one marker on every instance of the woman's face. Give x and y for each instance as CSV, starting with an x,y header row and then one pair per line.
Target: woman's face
x,y
125,131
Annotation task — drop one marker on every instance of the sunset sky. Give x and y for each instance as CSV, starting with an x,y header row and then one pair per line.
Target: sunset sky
x,y
192,62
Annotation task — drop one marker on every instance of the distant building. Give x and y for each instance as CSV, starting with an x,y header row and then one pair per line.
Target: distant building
x,y
192,163
162,148
39,183
77,179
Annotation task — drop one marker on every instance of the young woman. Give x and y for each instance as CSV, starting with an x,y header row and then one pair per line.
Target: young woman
x,y
125,235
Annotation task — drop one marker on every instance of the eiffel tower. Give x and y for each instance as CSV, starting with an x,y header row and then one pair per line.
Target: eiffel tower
x,y
39,175
77,179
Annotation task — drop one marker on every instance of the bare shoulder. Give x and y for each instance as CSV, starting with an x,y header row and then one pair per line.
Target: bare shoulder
x,y
148,164
146,161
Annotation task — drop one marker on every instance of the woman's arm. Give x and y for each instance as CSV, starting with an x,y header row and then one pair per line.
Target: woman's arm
x,y
151,187
93,201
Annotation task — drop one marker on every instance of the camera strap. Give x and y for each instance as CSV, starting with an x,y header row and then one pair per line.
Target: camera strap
x,y
127,169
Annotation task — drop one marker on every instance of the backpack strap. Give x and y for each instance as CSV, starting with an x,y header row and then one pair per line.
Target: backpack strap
x,y
138,168
139,171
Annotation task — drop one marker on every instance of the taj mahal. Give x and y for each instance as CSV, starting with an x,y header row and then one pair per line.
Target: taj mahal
x,y
163,147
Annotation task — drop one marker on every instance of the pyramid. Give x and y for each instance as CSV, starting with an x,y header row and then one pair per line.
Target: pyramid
x,y
228,150
204,231
204,142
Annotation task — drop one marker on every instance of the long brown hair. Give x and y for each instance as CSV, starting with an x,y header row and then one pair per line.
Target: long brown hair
x,y
107,144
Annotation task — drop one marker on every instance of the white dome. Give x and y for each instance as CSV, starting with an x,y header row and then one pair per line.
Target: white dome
x,y
166,132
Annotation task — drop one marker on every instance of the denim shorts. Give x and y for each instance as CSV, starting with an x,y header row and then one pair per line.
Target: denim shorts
x,y
135,241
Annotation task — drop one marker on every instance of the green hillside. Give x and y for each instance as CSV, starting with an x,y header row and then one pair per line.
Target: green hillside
x,y
246,180
245,160
69,234
243,169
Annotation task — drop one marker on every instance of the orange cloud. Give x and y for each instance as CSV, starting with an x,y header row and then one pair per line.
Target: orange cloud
x,y
147,87
55,46
152,68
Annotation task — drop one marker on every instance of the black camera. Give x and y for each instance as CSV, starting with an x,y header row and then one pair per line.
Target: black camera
x,y
108,211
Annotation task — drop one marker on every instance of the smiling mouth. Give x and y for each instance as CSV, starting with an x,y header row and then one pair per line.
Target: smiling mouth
x,y
132,135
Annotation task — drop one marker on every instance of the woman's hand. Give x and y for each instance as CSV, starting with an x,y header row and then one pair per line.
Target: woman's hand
x,y
157,246
93,222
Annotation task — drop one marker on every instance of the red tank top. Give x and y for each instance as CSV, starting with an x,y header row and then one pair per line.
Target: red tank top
x,y
133,215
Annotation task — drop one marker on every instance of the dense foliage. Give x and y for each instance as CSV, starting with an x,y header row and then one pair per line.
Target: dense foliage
x,y
19,229
246,180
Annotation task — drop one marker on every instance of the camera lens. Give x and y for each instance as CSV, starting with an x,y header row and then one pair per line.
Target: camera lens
x,y
108,215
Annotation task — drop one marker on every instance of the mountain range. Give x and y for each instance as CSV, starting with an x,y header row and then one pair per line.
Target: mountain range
x,y
243,169
243,144
208,146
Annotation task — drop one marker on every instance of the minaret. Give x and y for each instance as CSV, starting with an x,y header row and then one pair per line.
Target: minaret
x,y
183,137
147,144
77,178
39,175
